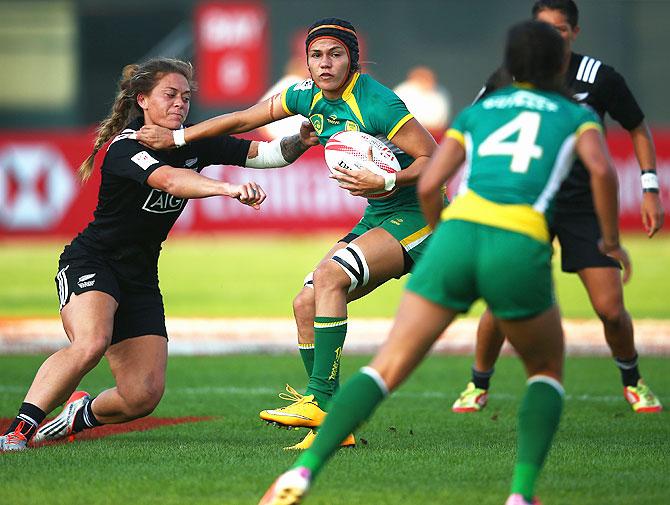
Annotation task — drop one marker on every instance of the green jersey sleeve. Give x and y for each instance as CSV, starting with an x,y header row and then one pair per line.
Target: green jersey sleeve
x,y
297,99
389,112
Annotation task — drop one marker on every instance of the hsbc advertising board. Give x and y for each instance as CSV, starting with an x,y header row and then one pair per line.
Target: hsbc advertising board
x,y
40,194
232,52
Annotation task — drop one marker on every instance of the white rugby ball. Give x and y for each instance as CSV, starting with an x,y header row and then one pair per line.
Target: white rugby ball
x,y
349,150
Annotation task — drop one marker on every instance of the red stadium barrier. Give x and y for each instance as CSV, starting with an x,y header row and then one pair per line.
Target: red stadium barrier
x,y
40,195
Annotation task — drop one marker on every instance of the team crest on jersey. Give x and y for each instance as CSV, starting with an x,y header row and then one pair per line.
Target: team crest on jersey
x,y
317,122
160,202
350,126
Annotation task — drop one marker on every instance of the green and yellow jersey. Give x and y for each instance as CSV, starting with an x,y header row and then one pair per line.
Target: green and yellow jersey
x,y
519,145
366,106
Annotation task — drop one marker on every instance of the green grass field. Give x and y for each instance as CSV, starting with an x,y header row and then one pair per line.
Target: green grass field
x,y
417,451
242,276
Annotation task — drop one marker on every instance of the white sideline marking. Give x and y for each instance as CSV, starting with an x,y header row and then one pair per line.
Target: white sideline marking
x,y
231,390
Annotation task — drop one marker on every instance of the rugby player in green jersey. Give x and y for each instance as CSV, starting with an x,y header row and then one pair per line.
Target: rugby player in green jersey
x,y
392,233
492,243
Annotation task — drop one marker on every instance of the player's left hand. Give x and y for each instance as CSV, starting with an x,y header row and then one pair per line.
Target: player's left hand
x,y
359,182
308,135
156,137
652,213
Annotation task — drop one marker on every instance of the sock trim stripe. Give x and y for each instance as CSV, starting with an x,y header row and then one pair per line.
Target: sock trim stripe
x,y
550,381
28,419
626,365
331,324
375,376
305,346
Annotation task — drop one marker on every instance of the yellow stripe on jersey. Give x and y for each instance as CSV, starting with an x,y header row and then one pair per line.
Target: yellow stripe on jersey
x,y
316,98
452,133
519,218
416,238
589,125
284,104
331,324
350,99
398,125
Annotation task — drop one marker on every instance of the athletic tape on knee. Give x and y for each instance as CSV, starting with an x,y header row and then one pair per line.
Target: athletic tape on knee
x,y
308,282
352,261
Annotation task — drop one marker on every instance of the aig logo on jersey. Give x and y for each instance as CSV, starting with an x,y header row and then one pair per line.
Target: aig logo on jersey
x,y
160,202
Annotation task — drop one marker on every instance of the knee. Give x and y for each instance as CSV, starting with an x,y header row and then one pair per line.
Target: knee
x,y
329,276
303,304
88,355
144,400
612,314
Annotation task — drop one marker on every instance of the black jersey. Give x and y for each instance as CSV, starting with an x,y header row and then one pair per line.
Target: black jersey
x,y
132,218
602,88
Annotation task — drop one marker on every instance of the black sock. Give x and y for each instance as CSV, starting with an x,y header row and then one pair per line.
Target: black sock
x,y
31,416
481,379
630,373
84,418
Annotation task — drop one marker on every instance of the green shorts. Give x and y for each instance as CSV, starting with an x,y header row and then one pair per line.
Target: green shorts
x,y
407,225
466,261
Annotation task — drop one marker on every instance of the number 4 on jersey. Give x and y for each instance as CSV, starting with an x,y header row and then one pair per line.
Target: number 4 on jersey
x,y
523,150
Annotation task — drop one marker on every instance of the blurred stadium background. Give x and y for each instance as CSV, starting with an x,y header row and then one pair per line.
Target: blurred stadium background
x,y
61,60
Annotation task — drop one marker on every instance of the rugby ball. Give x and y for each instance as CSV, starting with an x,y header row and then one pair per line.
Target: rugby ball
x,y
349,150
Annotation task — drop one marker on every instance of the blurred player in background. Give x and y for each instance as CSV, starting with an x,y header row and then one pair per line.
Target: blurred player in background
x,y
392,233
107,281
493,243
574,221
425,98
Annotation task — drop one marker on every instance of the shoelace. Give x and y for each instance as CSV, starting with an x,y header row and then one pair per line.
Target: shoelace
x,y
17,435
291,395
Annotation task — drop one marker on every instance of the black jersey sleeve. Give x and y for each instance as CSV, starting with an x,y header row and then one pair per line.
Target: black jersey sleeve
x,y
222,150
620,102
129,159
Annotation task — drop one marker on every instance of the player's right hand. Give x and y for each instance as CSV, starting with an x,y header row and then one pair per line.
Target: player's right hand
x,y
155,137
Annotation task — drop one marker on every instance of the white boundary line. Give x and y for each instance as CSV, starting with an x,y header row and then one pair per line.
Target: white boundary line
x,y
246,336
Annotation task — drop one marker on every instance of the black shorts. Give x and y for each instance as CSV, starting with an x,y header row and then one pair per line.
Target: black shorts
x,y
140,310
579,233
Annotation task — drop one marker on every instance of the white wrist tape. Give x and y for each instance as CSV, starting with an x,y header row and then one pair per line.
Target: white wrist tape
x,y
269,156
178,137
389,181
649,181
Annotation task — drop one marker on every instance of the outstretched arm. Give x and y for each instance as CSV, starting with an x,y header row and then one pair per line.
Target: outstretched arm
x,y
262,113
281,152
185,183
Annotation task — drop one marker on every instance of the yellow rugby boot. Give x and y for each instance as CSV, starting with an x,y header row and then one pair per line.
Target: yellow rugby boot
x,y
472,399
306,442
642,399
303,412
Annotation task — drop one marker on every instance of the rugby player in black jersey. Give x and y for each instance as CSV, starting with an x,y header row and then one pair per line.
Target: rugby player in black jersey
x,y
574,222
110,301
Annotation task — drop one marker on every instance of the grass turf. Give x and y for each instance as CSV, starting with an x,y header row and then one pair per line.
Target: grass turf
x,y
417,451
257,276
